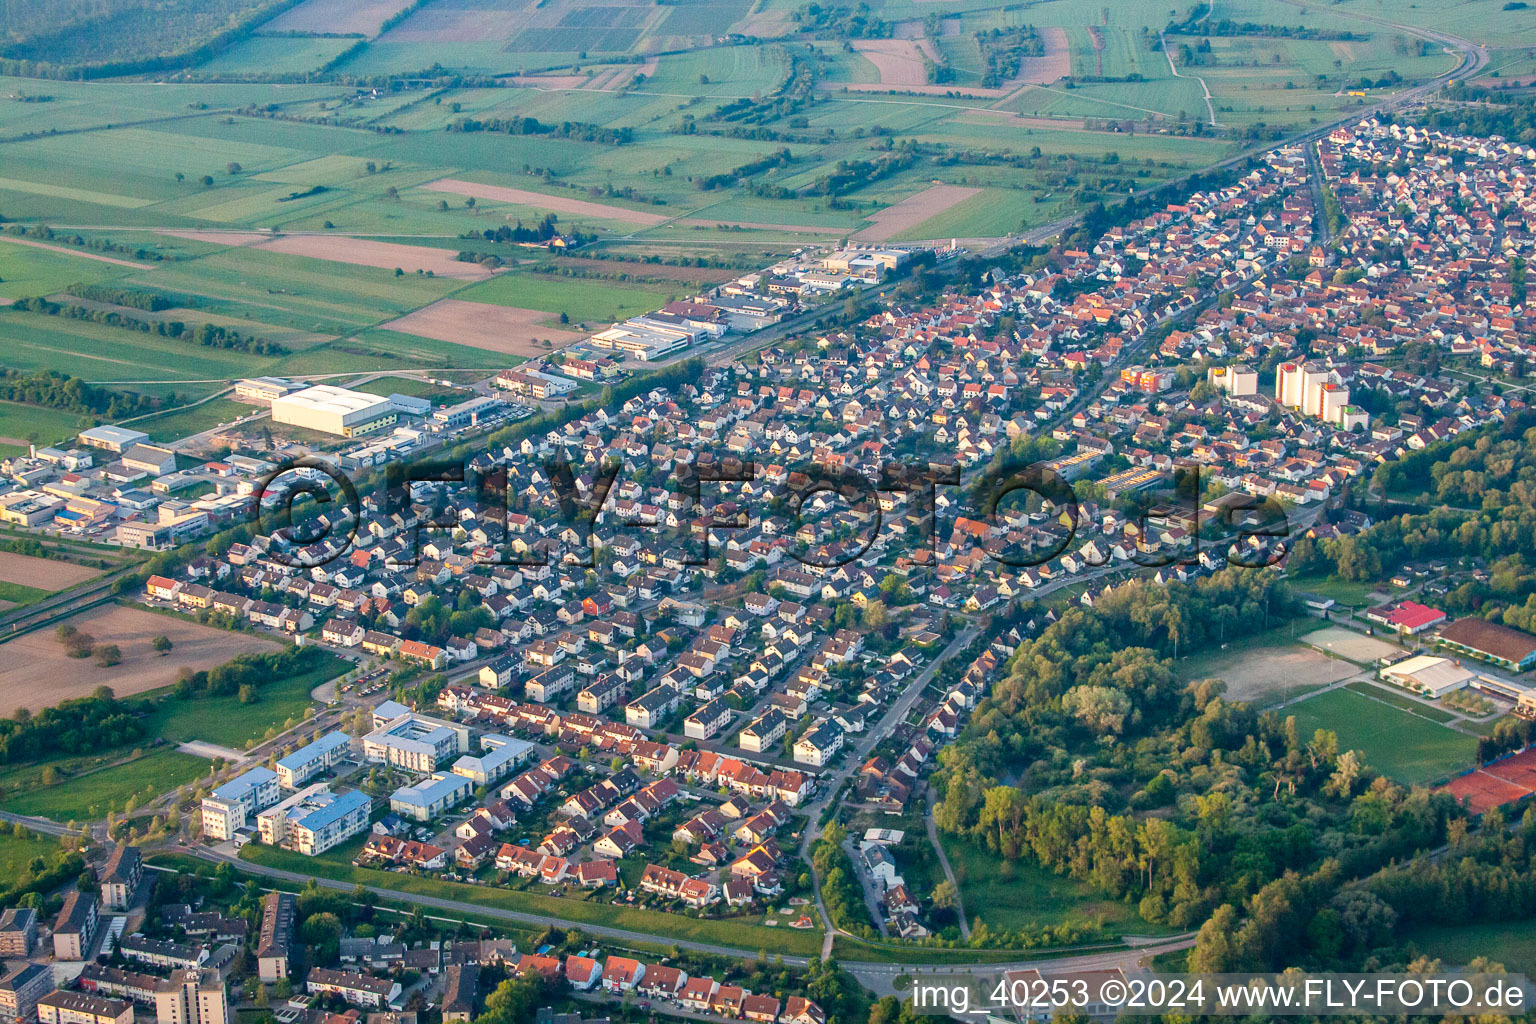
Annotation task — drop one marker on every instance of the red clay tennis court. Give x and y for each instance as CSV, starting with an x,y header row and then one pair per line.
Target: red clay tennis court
x,y
1519,769
1483,791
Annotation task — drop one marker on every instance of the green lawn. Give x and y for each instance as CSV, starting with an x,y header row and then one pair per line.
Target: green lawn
x,y
18,594
93,795
179,423
1015,895
1406,747
15,853
1511,943
227,722
18,422
1401,700
337,864
1342,591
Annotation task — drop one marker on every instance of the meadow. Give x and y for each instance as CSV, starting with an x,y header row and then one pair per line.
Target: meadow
x,y
1014,895
21,425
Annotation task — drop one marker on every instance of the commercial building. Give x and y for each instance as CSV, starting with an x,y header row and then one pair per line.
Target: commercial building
x,y
415,742
233,805
315,819
112,439
192,997
467,413
62,1007
74,933
534,384
279,913
21,988
1479,638
264,390
431,796
312,759
332,410
121,876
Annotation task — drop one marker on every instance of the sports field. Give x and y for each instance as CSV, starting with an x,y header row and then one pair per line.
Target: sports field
x,y
1409,748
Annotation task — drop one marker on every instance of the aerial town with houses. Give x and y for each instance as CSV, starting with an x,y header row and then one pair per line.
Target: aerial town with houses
x,y
556,693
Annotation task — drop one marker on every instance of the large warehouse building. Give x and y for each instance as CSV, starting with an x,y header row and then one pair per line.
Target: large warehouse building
x,y
333,410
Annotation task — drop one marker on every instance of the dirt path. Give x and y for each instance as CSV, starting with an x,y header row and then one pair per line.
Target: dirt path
x,y
76,252
542,200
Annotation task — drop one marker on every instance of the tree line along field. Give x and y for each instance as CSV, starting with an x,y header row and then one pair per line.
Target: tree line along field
x,y
83,787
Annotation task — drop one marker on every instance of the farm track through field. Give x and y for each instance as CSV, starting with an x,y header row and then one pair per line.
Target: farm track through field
x,y
75,252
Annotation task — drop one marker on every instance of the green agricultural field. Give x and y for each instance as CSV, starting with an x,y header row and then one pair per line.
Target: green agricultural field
x,y
337,864
92,795
277,55
27,271
14,594
583,300
1404,746
293,291
97,352
19,422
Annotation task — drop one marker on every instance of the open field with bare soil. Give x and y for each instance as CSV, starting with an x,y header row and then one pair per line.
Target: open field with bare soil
x,y
913,210
542,200
36,673
42,573
1347,643
899,60
504,329
1267,668
1054,65
365,252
